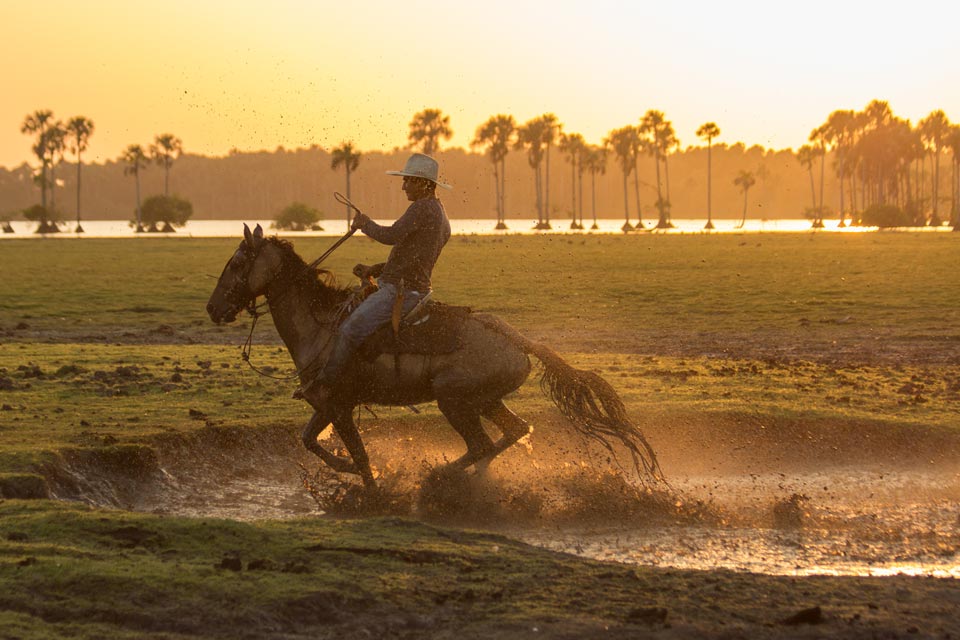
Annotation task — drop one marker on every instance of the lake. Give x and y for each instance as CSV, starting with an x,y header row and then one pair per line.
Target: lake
x,y
233,228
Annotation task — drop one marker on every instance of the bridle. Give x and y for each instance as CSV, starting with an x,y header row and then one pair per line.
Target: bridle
x,y
254,309
241,290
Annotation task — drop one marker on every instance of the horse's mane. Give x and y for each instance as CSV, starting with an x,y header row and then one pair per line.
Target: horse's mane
x,y
321,285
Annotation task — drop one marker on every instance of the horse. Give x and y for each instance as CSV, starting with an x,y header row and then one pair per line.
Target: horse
x,y
490,359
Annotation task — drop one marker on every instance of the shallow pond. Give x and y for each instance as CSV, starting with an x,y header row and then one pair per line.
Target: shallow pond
x,y
853,517
840,522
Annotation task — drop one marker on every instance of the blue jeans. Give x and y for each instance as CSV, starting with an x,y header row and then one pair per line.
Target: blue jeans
x,y
373,313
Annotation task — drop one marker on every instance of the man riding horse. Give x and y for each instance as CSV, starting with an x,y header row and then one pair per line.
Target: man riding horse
x,y
466,361
417,238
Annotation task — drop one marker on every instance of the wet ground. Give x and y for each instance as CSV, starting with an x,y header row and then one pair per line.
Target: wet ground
x,y
859,518
831,523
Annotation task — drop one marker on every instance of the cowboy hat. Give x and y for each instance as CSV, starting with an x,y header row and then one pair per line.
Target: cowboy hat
x,y
421,166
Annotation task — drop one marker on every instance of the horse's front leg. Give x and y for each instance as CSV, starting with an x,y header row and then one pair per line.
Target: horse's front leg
x,y
310,436
330,404
345,427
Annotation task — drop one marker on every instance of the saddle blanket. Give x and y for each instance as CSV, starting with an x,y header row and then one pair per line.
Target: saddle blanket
x,y
435,332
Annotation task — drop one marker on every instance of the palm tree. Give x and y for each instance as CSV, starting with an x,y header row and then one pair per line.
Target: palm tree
x,y
37,123
840,131
652,127
427,128
551,129
623,143
744,180
581,168
484,137
496,134
858,127
80,129
915,153
165,149
596,163
530,137
55,141
819,135
953,142
668,141
934,129
709,130
136,159
349,157
639,145
806,156
574,146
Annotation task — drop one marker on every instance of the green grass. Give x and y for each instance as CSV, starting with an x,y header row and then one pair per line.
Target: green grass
x,y
820,327
624,293
134,573
88,395
69,571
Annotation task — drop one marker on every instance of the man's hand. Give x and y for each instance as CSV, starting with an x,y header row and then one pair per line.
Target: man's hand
x,y
359,219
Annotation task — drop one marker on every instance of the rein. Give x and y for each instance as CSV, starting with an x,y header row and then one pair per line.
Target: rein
x,y
254,309
326,254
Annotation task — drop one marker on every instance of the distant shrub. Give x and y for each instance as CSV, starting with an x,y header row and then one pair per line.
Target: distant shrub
x,y
915,213
35,213
162,213
47,218
886,216
298,217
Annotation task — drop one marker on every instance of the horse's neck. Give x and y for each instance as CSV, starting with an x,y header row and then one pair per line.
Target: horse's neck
x,y
305,334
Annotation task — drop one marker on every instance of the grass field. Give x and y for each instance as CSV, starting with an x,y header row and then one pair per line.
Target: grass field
x,y
645,294
105,348
862,326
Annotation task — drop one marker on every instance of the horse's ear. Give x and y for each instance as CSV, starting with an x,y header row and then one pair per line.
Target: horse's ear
x,y
247,236
258,232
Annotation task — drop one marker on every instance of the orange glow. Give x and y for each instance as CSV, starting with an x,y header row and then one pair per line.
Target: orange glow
x,y
247,75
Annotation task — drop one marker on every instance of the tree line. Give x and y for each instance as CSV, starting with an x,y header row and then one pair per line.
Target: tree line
x,y
863,167
53,138
879,162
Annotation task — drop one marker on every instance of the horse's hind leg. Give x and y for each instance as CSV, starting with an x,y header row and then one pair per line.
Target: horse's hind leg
x,y
513,426
464,417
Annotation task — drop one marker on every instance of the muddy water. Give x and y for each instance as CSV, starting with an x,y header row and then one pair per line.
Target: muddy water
x,y
842,520
839,523
845,523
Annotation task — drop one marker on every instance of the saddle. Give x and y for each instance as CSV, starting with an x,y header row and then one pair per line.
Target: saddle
x,y
431,328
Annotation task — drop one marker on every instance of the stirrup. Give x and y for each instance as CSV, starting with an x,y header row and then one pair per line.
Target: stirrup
x,y
418,313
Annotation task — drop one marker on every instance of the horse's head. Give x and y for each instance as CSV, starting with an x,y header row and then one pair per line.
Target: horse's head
x,y
246,276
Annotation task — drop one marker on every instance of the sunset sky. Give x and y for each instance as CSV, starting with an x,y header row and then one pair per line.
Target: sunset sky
x,y
255,75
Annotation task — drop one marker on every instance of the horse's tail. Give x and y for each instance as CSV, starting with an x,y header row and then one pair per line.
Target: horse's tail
x,y
586,399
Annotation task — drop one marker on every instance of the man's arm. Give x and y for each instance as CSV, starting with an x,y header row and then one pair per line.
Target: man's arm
x,y
394,233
